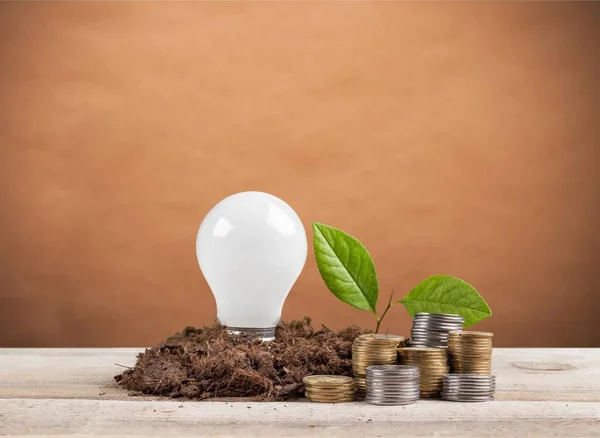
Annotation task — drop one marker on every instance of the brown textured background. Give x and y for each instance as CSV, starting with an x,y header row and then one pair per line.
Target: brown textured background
x,y
457,138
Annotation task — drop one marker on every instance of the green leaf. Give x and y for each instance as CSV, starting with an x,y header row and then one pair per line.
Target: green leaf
x,y
446,294
346,267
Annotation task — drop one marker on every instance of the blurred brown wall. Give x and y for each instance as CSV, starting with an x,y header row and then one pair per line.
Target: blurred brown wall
x,y
457,138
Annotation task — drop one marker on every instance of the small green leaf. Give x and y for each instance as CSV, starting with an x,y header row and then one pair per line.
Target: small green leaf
x,y
346,267
446,294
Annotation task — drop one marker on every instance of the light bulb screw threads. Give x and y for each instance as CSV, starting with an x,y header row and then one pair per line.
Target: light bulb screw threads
x,y
264,333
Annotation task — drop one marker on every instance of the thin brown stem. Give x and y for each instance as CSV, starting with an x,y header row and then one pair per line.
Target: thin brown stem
x,y
380,318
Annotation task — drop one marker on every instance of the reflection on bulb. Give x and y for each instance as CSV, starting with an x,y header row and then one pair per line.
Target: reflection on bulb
x,y
251,248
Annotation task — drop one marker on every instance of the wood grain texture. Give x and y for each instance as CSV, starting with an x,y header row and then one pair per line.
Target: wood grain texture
x,y
168,418
541,392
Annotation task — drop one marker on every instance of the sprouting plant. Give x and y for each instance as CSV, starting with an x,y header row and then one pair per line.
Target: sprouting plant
x,y
349,273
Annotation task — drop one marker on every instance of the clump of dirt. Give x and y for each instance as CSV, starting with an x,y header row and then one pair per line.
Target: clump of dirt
x,y
208,362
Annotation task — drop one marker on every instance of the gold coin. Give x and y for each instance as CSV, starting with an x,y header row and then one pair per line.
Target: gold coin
x,y
319,392
374,355
341,400
422,365
326,380
314,396
470,333
422,350
330,391
344,387
376,337
423,362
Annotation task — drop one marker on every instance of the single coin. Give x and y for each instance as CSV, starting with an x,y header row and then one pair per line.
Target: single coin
x,y
379,396
438,315
347,400
327,380
328,391
422,350
469,333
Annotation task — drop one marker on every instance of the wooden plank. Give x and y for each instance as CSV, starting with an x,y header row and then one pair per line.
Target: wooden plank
x,y
523,374
172,418
64,372
69,392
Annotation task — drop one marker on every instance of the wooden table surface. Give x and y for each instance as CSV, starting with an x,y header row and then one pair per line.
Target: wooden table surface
x,y
71,392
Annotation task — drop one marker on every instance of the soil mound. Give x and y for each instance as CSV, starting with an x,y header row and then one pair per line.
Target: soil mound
x,y
207,362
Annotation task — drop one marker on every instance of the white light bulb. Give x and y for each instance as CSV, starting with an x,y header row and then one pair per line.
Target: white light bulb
x,y
251,248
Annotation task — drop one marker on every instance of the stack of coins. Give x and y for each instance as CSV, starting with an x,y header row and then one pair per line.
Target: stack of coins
x,y
470,352
392,385
469,387
329,389
432,364
372,349
431,329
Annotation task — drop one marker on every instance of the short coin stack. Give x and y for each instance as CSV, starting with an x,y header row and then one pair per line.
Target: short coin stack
x,y
469,387
432,365
470,352
431,329
392,385
329,389
372,349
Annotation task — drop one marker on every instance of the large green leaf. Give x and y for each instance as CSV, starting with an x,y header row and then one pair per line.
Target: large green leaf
x,y
346,267
446,294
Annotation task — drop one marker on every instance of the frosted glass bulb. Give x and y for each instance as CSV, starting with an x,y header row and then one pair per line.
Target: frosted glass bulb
x,y
251,248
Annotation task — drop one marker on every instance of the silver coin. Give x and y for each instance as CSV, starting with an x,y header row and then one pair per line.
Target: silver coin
x,y
410,387
428,327
470,399
390,368
427,331
391,399
440,330
467,382
457,324
439,318
391,403
469,388
469,391
395,384
437,315
434,328
427,344
473,394
416,334
380,374
384,377
468,376
414,392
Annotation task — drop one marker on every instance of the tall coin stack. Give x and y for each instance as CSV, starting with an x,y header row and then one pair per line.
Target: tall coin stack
x,y
392,385
470,352
431,329
432,365
329,389
372,349
469,387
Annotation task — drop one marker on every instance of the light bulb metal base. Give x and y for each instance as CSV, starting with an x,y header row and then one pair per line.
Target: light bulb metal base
x,y
265,333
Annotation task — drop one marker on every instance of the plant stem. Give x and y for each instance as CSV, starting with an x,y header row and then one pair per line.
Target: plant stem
x,y
380,318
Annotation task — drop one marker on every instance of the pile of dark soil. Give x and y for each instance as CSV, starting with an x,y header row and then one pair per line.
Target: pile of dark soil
x,y
208,362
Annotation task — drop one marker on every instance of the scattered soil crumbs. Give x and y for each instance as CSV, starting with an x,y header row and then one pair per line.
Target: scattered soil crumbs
x,y
208,362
